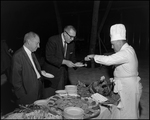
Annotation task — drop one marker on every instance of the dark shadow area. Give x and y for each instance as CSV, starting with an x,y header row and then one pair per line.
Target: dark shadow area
x,y
7,99
140,110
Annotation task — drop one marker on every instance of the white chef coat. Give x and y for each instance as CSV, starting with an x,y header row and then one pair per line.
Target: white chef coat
x,y
127,81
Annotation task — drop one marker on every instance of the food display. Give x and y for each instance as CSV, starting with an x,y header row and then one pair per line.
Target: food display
x,y
13,116
32,112
58,103
83,91
102,86
55,106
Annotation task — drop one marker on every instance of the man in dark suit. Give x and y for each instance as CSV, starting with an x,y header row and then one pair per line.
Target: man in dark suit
x,y
26,71
59,58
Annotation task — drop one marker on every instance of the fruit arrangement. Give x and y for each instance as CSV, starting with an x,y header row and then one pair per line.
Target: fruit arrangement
x,y
101,86
82,90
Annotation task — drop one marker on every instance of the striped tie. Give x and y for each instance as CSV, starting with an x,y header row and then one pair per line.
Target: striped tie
x,y
35,65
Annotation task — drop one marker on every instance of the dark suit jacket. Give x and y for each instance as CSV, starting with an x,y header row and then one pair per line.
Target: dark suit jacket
x,y
55,55
24,78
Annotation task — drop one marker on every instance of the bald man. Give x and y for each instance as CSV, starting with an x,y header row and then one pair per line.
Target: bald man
x,y
26,75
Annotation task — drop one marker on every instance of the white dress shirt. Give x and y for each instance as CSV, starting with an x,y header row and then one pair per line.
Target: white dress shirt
x,y
30,57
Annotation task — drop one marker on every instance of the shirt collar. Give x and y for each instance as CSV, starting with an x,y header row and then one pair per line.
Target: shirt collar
x,y
27,50
124,46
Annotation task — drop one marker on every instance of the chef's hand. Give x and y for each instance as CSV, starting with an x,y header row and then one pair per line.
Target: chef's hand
x,y
111,79
68,63
89,57
43,72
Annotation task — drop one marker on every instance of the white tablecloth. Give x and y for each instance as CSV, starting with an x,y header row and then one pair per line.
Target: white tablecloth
x,y
108,114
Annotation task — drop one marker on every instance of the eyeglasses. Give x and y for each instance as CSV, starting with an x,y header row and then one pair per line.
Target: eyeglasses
x,y
71,37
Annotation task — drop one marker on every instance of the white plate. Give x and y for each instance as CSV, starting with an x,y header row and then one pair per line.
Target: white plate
x,y
98,97
61,92
72,94
74,111
70,87
40,102
79,64
48,75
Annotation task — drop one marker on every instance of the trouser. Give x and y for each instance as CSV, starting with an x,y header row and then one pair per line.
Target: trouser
x,y
63,79
48,92
40,93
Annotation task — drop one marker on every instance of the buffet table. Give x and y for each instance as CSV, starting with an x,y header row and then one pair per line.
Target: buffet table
x,y
108,114
96,101
102,112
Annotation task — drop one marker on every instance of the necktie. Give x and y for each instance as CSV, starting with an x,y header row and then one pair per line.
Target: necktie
x,y
35,65
65,48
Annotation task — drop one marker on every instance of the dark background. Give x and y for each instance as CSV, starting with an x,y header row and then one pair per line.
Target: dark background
x,y
20,17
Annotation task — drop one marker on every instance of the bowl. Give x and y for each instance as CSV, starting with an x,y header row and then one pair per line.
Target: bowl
x,y
61,92
73,113
71,89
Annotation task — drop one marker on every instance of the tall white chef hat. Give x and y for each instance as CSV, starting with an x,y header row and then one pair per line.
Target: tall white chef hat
x,y
118,32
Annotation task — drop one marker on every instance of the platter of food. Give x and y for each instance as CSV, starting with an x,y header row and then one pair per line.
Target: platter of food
x,y
13,116
59,103
32,112
102,90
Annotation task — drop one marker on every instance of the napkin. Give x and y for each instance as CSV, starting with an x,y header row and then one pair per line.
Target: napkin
x,y
98,97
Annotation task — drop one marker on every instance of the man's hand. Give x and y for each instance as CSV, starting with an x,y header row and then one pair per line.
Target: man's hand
x,y
68,63
89,57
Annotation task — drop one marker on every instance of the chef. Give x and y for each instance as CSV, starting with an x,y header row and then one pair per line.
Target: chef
x,y
126,79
